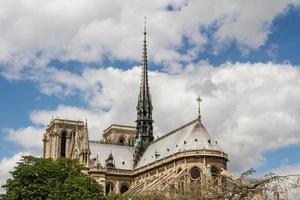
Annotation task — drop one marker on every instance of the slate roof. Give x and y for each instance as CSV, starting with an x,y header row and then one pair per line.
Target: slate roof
x,y
123,155
192,136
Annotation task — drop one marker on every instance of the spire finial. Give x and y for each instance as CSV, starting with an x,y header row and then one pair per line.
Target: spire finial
x,y
86,123
145,22
199,102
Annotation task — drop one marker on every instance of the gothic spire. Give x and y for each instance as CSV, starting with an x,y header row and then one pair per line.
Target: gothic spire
x,y
144,108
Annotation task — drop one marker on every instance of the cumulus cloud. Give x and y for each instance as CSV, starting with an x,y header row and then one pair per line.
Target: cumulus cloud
x,y
33,33
288,169
29,137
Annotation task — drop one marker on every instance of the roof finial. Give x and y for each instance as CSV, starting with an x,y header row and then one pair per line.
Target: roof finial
x,y
145,22
86,123
199,102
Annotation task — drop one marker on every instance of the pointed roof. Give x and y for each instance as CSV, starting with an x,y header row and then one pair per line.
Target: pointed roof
x,y
192,136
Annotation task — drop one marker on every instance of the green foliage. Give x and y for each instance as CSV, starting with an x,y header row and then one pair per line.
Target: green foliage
x,y
149,196
39,178
80,187
116,196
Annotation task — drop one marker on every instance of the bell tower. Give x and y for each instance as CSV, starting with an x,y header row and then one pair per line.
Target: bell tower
x,y
67,138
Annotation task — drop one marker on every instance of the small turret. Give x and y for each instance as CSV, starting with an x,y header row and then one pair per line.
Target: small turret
x,y
86,148
109,162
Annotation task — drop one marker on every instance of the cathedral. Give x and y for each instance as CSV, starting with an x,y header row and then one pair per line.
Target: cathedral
x,y
129,159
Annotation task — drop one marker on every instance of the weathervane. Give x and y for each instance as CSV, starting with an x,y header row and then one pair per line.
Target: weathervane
x,y
199,102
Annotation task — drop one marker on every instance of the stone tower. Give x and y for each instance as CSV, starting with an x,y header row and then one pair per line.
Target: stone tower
x,y
144,122
67,138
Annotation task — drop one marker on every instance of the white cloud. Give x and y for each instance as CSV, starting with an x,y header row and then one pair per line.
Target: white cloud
x,y
30,137
7,165
249,13
288,169
34,32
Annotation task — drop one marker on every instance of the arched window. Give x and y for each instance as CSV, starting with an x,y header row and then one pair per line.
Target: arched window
x,y
63,144
123,188
109,188
195,173
121,140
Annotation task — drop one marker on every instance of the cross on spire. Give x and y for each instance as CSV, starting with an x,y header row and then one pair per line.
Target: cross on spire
x,y
199,100
145,22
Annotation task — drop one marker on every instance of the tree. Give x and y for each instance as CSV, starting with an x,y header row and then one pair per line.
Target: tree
x,y
115,196
39,178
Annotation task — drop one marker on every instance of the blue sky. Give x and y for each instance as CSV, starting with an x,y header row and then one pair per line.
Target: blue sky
x,y
74,68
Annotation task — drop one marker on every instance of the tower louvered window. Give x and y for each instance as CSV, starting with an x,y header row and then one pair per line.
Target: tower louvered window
x,y
63,145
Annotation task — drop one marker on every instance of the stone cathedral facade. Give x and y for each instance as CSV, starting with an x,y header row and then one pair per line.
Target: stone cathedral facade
x,y
129,159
